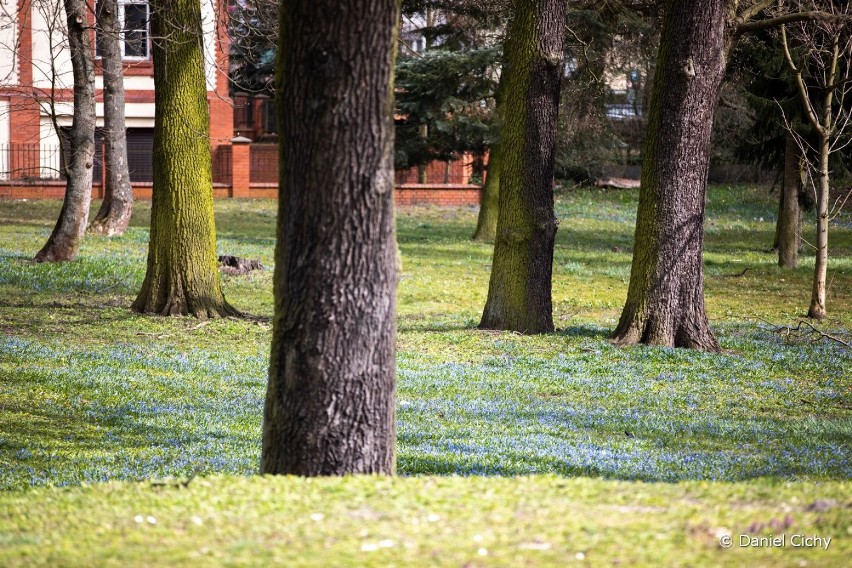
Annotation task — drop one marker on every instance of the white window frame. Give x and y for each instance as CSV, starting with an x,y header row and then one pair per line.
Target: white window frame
x,y
121,5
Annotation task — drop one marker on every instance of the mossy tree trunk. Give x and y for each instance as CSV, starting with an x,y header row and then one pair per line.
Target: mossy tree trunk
x,y
79,159
114,215
519,293
331,395
790,213
489,201
665,298
182,276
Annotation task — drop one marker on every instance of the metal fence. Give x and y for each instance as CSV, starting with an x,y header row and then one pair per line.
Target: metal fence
x,y
222,165
29,161
438,173
22,162
264,163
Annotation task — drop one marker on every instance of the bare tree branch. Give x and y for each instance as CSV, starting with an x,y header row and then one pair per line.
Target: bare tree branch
x,y
815,16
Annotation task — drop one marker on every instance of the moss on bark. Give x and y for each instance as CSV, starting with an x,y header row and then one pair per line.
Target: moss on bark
x,y
182,276
519,292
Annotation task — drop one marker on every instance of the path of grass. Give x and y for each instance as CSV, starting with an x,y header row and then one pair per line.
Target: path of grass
x,y
91,393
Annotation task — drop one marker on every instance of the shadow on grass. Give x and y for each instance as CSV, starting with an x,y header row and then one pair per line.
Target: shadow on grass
x,y
587,331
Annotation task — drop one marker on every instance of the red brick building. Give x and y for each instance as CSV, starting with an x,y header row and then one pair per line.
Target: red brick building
x,y
36,96
36,92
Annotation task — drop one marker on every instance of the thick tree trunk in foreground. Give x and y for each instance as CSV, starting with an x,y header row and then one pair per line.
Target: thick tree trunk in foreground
x,y
789,213
114,214
182,276
489,206
331,395
817,309
64,242
665,299
519,293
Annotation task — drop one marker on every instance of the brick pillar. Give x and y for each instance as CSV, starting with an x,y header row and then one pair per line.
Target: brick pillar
x,y
24,115
221,105
240,167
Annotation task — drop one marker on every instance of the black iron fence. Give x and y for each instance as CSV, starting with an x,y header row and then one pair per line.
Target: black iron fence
x,y
22,162
29,161
439,173
264,163
223,165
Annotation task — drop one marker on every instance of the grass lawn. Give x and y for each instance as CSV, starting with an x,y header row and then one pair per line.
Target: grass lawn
x,y
512,450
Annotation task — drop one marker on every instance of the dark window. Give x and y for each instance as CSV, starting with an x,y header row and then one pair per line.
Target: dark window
x,y
270,122
133,20
136,31
140,147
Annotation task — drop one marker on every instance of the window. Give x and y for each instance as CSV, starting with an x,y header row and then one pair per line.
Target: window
x,y
133,21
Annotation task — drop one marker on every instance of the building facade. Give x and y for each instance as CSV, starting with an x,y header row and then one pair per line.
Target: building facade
x,y
36,95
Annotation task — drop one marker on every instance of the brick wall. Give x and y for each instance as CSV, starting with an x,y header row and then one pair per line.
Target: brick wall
x,y
458,195
451,196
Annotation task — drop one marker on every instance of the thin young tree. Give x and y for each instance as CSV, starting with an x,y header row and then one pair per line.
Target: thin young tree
x,y
114,215
78,154
182,277
331,394
822,75
519,292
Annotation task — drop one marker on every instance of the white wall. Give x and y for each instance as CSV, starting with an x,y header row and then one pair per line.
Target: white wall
x,y
208,26
8,36
50,47
49,154
4,139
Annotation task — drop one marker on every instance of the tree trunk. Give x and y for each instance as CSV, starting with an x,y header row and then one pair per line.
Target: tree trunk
x,y
665,298
422,176
489,201
114,214
331,395
790,214
64,241
519,293
182,276
489,206
817,309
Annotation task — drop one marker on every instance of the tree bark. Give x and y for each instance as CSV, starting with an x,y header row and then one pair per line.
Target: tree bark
x,y
519,293
182,277
489,206
331,395
790,214
489,201
64,241
817,309
117,206
665,298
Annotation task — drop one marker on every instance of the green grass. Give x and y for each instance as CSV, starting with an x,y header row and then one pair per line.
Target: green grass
x,y
91,393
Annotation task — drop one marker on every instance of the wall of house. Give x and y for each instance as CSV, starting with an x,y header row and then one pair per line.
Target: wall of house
x,y
8,37
4,139
51,60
